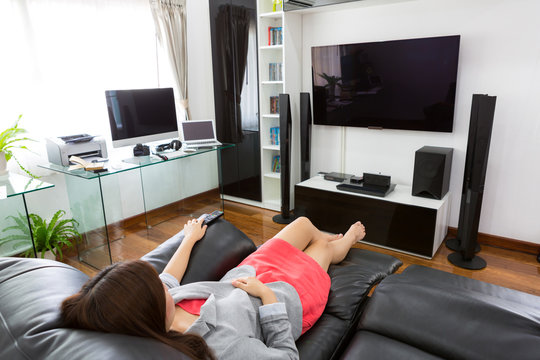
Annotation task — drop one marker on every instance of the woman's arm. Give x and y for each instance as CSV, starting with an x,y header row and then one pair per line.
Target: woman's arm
x,y
193,232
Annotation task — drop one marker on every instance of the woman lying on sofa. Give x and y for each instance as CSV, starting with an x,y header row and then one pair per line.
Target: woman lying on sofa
x,y
256,311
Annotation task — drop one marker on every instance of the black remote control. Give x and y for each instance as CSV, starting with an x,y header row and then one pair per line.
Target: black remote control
x,y
213,216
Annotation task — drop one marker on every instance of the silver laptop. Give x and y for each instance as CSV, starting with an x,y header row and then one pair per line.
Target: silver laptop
x,y
199,133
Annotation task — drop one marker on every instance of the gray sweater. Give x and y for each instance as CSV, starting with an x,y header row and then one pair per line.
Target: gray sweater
x,y
236,325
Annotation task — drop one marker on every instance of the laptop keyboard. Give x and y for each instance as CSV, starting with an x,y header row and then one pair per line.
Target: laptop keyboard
x,y
205,142
202,143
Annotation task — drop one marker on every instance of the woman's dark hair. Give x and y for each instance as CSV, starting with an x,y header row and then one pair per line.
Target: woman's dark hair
x,y
128,298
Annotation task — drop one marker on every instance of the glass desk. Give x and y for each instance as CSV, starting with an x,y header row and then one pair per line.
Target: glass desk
x,y
137,192
15,213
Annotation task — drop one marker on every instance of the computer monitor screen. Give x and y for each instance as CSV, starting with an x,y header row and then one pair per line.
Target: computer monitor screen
x,y
141,115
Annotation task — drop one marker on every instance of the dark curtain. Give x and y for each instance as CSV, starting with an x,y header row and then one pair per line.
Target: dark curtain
x,y
232,37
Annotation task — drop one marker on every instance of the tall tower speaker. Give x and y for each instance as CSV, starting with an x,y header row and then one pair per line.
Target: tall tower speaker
x,y
305,136
285,124
482,112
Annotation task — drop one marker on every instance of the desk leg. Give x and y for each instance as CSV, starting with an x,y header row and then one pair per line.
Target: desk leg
x,y
220,180
29,225
105,220
148,226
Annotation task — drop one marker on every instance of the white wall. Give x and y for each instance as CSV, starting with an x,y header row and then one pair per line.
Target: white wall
x,y
499,55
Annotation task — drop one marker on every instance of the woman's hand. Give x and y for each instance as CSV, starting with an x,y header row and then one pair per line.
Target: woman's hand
x,y
194,230
255,287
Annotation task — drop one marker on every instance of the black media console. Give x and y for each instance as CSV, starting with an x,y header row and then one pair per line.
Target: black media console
x,y
398,221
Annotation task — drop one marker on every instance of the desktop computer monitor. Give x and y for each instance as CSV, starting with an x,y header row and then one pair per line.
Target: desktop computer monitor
x,y
141,115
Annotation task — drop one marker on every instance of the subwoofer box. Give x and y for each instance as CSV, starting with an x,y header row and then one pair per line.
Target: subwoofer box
x,y
432,167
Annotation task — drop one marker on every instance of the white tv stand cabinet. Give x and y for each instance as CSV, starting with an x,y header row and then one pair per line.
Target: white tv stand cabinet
x,y
399,221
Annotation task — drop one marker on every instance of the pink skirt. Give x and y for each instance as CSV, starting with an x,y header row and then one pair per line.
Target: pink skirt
x,y
277,260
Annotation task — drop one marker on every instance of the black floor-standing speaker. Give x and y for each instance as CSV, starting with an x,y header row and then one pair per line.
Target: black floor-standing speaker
x,y
305,136
465,244
285,125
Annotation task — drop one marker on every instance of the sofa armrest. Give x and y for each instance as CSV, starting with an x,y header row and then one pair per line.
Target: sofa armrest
x,y
352,280
222,247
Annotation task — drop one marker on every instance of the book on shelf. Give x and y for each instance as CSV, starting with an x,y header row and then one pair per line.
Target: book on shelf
x,y
275,35
275,71
276,164
274,104
274,135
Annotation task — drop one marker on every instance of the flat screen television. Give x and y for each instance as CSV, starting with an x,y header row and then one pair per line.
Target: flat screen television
x,y
141,115
399,84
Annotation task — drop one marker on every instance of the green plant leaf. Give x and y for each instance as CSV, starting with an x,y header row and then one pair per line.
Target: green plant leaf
x,y
51,228
10,138
24,169
21,224
52,236
11,238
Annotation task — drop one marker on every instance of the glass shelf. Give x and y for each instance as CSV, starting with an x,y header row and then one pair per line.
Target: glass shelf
x,y
17,184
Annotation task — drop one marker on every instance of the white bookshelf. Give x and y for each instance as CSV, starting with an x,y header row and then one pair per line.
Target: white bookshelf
x,y
277,53
269,53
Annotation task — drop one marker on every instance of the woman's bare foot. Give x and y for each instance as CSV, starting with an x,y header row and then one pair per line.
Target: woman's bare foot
x,y
356,232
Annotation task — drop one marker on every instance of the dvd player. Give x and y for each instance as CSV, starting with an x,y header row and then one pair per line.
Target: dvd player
x,y
335,176
362,188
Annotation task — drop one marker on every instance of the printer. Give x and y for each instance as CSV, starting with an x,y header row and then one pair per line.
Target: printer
x,y
59,149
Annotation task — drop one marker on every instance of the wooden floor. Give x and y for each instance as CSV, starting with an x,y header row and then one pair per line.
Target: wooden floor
x,y
512,269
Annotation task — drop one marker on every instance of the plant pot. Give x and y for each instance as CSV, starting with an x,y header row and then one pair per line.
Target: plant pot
x,y
3,165
49,255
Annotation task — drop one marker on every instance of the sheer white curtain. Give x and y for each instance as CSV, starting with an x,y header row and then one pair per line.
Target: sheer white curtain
x,y
170,21
59,57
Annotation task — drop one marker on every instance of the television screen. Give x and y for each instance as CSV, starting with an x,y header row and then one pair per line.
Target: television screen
x,y
400,84
141,115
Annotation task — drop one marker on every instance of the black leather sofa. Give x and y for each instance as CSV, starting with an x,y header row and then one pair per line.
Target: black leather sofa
x,y
31,291
428,314
419,314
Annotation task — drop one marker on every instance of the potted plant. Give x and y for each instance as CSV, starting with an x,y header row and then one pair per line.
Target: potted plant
x,y
10,139
58,234
332,82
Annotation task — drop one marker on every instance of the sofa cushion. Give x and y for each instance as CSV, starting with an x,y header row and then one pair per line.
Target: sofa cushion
x,y
221,239
368,345
450,316
352,280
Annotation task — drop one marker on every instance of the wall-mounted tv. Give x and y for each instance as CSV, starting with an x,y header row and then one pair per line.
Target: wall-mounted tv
x,y
399,84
